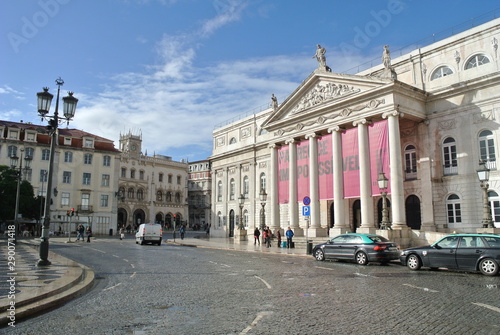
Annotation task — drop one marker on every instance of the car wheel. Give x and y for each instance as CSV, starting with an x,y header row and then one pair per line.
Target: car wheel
x,y
319,255
413,262
361,258
488,267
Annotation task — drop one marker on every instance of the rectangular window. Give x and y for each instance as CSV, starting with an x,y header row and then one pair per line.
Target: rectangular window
x,y
160,177
105,180
66,177
104,200
87,159
30,137
65,198
13,134
88,143
106,161
179,180
67,141
68,157
170,179
85,206
43,176
45,154
86,178
124,172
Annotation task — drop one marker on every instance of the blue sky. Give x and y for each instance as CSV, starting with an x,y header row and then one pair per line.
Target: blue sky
x,y
174,69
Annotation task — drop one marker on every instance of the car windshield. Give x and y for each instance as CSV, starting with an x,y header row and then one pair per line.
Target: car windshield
x,y
378,238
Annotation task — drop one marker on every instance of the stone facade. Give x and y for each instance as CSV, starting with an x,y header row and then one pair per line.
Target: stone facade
x,y
200,194
440,105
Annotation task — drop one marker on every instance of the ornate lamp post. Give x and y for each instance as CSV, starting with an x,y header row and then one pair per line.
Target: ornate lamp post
x,y
483,174
241,201
263,198
383,183
19,171
69,107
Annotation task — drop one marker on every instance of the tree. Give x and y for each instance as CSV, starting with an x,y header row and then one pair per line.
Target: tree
x,y
8,191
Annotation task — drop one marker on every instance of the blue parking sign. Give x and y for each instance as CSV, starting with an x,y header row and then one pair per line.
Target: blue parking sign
x,y
306,210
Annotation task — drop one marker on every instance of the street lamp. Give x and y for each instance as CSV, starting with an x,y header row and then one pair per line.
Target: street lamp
x,y
483,174
241,201
19,171
383,183
69,107
263,198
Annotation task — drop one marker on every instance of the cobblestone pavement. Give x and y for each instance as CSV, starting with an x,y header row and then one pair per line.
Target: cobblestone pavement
x,y
175,289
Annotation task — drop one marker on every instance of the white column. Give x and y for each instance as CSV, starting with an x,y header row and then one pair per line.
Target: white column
x,y
313,181
367,214
293,205
273,189
396,171
341,226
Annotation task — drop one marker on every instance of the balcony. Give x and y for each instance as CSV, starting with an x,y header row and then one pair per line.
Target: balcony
x,y
85,209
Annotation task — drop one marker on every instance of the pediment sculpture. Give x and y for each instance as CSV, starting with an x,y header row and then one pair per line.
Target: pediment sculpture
x,y
322,93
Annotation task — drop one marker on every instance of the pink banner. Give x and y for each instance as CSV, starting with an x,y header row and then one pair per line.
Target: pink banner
x,y
379,153
350,158
325,167
283,175
302,170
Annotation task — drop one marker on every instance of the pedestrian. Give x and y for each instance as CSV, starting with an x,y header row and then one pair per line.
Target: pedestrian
x,y
122,235
208,229
278,236
79,233
256,236
269,237
89,233
264,236
182,230
289,236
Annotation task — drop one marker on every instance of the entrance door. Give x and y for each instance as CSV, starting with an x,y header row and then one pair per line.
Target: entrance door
x,y
231,223
413,217
356,215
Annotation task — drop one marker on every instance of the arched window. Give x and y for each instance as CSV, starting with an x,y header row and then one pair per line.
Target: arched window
x,y
410,162
246,187
140,194
159,196
450,162
169,196
245,219
219,191
130,193
141,174
177,197
454,211
495,207
232,187
440,72
487,149
263,181
476,60
132,174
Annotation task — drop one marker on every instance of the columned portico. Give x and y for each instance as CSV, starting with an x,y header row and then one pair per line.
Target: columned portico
x,y
315,225
367,214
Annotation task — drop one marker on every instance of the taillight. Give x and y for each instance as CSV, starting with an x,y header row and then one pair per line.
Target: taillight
x,y
380,247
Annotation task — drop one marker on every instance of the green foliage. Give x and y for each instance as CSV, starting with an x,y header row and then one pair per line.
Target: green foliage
x,y
8,189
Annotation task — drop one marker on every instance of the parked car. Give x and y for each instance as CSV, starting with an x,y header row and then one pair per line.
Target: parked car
x,y
468,252
149,233
361,248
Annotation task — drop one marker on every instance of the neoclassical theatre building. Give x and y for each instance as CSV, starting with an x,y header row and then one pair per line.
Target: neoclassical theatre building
x,y
424,119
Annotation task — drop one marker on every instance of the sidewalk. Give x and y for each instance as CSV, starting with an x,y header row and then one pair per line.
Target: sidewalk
x,y
27,289
43,288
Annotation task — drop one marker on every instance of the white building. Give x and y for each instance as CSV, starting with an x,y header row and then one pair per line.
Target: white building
x,y
85,174
151,188
425,119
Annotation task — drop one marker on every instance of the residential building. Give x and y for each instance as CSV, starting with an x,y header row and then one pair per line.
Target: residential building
x,y
425,119
199,194
85,173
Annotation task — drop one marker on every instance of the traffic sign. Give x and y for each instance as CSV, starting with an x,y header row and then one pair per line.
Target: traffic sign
x,y
306,210
306,201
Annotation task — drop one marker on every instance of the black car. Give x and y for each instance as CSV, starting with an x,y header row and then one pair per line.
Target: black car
x,y
361,248
468,252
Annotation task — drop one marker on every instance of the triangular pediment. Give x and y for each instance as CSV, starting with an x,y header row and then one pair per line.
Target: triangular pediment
x,y
322,89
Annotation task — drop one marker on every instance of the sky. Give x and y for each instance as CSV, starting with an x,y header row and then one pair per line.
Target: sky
x,y
174,70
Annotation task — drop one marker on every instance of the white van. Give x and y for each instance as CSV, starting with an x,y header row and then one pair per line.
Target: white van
x,y
149,233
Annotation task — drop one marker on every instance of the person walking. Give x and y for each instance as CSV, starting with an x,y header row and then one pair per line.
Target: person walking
x,y
256,236
89,233
269,237
122,233
79,233
264,236
182,230
278,237
289,236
